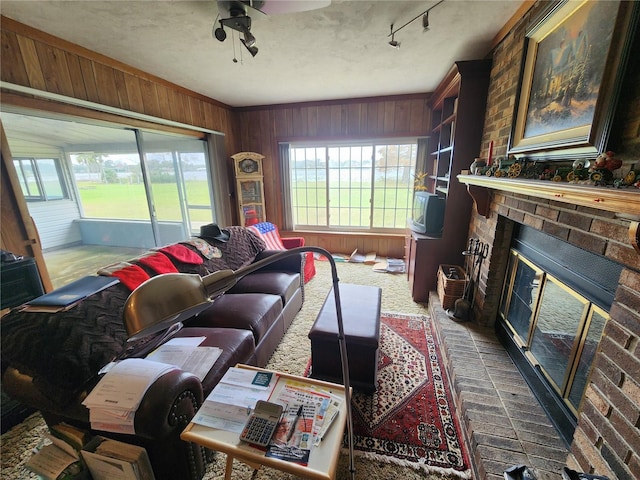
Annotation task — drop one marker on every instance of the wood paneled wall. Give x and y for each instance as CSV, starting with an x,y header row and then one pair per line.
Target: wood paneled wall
x,y
262,128
34,59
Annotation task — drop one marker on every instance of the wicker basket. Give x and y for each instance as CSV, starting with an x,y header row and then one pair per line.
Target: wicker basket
x,y
449,289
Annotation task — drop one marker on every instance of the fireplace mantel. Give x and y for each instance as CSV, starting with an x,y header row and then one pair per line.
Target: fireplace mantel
x,y
624,201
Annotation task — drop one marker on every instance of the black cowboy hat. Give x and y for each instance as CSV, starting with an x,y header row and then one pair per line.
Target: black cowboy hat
x,y
212,231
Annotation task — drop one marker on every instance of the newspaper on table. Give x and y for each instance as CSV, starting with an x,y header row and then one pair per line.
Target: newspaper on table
x,y
309,413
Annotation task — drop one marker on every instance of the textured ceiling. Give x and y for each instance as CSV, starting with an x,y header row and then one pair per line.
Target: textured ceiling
x,y
339,51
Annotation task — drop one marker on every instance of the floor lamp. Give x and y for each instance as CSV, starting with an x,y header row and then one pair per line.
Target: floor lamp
x,y
165,300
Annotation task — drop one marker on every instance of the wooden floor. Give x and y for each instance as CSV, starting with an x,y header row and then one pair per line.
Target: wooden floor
x,y
69,264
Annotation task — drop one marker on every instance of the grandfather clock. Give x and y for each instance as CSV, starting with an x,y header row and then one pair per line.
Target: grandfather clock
x,y
249,187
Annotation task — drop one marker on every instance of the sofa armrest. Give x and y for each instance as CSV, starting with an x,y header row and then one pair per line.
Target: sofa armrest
x,y
291,264
169,404
292,242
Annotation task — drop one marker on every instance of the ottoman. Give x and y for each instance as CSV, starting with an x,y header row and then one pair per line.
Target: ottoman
x,y
361,318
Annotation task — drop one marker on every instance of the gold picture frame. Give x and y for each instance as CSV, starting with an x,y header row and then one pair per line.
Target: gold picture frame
x,y
572,71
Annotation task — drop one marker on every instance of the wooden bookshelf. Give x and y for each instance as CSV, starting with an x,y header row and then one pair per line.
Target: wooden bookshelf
x,y
457,117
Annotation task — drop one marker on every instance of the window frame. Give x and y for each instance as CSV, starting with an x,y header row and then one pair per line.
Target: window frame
x,y
42,195
374,144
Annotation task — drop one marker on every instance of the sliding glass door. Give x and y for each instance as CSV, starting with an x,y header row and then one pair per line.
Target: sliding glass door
x,y
178,178
109,186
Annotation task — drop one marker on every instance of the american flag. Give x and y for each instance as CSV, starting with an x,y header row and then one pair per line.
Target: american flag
x,y
269,233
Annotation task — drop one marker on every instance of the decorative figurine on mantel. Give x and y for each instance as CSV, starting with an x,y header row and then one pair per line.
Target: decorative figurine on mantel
x,y
580,170
601,172
631,179
477,166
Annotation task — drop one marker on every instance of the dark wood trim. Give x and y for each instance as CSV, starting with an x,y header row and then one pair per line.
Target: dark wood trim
x,y
351,138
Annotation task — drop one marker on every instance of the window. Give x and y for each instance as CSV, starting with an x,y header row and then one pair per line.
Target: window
x,y
41,179
363,186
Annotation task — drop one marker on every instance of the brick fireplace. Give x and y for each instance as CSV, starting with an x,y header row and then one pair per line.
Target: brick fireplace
x,y
607,438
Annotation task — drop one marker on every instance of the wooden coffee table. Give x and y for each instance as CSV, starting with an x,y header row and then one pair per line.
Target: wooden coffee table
x,y
323,460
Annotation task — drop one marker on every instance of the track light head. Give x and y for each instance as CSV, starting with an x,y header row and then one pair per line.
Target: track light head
x,y
393,42
220,34
249,40
425,24
253,50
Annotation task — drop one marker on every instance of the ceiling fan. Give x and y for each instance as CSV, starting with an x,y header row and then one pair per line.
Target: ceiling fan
x,y
234,14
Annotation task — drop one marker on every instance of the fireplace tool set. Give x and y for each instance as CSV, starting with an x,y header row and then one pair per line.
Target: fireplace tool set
x,y
474,255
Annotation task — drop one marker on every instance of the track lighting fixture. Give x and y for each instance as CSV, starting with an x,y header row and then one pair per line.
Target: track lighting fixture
x,y
393,41
242,24
425,24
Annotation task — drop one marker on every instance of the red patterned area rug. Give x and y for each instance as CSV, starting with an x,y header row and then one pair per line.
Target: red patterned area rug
x,y
410,419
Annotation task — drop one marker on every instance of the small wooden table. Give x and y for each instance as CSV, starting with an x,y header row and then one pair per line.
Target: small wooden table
x,y
323,460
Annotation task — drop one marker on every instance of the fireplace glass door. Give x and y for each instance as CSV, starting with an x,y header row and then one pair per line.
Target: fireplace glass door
x,y
519,303
557,328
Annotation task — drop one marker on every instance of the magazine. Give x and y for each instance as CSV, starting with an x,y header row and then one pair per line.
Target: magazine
x,y
308,414
293,440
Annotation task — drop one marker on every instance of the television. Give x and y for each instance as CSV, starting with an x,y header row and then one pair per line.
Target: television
x,y
427,215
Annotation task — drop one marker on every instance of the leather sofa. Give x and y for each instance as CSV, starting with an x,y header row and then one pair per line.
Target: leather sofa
x,y
51,361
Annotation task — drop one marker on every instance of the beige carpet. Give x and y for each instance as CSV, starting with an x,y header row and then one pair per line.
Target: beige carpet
x,y
291,356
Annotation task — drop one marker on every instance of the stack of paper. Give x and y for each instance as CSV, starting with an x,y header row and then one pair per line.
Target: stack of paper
x,y
113,402
229,404
390,265
185,352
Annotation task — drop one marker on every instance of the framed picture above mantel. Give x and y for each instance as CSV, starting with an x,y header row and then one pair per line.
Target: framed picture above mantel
x,y
573,65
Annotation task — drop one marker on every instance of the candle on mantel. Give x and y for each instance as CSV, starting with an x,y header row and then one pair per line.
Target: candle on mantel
x,y
490,153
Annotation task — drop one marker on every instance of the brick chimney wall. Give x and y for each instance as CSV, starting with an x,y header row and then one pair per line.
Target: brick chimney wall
x,y
607,439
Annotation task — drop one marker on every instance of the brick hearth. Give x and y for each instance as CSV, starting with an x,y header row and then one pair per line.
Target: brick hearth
x,y
503,422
